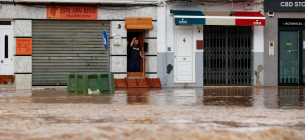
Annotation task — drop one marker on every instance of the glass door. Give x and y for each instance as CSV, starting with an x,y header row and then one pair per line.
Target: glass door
x,y
288,57
303,59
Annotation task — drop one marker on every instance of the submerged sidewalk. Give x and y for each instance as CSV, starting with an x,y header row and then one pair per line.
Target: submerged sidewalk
x,y
167,113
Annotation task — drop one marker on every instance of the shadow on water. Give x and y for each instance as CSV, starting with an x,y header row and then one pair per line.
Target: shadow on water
x,y
267,97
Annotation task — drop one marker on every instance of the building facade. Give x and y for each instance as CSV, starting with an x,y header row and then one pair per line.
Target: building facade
x,y
43,41
284,35
211,43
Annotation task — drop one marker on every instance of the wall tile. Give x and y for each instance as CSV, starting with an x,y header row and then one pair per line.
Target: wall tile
x,y
152,46
23,64
23,27
105,13
118,50
7,11
33,12
120,76
118,63
151,64
114,27
153,32
23,81
151,75
21,11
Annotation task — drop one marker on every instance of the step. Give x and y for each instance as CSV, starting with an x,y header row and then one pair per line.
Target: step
x,y
7,87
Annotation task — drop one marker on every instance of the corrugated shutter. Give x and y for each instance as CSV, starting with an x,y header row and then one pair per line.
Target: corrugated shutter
x,y
67,47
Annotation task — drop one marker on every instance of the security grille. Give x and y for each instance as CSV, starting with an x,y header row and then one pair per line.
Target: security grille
x,y
62,47
227,56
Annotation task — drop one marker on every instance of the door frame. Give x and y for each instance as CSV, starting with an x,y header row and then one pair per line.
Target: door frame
x,y
184,27
12,45
141,42
300,54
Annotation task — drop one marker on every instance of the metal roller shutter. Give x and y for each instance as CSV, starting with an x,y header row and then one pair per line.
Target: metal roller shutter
x,y
67,47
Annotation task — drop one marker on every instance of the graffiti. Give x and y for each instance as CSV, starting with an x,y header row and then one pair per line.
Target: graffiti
x,y
169,68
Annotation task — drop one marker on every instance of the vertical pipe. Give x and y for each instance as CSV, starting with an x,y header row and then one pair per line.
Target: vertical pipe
x,y
203,55
165,44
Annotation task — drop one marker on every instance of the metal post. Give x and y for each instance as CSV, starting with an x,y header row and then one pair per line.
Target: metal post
x,y
109,72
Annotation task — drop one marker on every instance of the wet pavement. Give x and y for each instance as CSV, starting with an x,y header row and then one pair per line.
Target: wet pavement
x,y
167,113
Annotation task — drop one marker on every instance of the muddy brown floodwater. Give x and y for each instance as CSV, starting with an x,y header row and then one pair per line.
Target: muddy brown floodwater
x,y
214,113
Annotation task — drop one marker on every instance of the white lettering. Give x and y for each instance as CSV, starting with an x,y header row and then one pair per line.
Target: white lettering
x,y
293,23
290,4
257,23
184,22
282,4
299,4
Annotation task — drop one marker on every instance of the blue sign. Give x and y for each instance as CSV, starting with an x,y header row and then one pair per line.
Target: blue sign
x,y
105,39
200,21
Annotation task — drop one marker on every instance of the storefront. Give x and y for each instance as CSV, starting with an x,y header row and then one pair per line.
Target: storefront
x,y
213,47
53,41
284,43
62,47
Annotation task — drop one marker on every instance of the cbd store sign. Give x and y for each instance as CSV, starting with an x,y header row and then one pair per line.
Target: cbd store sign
x,y
284,5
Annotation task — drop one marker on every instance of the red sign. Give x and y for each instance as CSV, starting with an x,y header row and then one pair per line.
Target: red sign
x,y
199,44
250,22
72,12
23,46
249,18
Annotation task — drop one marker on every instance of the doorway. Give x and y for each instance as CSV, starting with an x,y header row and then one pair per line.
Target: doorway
x,y
291,57
140,35
227,57
184,56
6,48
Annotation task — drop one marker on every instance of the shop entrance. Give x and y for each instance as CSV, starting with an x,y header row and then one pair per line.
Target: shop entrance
x,y
62,47
291,41
140,35
6,48
227,58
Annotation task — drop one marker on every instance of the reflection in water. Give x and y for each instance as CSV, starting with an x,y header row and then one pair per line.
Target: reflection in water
x,y
268,97
291,96
228,96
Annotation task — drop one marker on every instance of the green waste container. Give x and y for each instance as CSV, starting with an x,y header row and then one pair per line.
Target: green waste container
x,y
105,83
71,83
79,83
94,81
82,84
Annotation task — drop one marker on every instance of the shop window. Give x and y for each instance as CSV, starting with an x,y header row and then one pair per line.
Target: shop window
x,y
5,46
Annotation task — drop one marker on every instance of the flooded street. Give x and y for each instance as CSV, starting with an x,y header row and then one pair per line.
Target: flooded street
x,y
168,113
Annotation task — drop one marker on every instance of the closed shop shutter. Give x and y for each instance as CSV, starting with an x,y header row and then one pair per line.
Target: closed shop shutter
x,y
67,47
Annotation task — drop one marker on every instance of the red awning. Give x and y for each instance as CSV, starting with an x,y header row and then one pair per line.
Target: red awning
x,y
249,18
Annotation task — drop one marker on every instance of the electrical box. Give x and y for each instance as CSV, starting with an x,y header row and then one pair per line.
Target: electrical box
x,y
117,40
271,47
248,6
199,44
270,14
145,46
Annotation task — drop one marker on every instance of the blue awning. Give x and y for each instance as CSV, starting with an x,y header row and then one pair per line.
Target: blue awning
x,y
178,20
